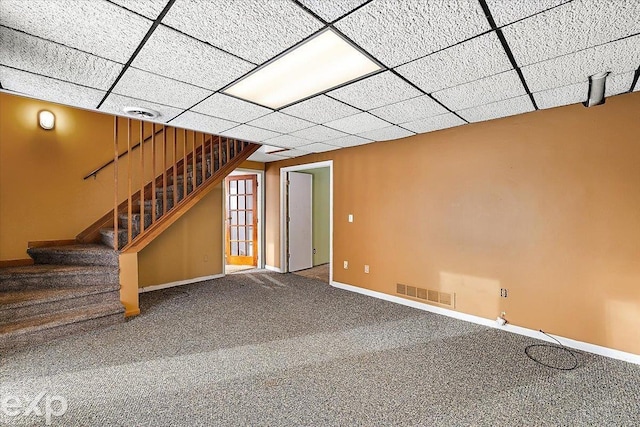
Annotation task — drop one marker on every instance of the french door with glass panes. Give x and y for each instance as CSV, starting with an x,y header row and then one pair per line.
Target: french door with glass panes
x,y
241,241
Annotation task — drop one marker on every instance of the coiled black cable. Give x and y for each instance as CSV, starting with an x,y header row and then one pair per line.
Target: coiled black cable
x,y
559,347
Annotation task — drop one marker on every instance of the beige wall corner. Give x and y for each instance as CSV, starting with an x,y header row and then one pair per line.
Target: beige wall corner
x,y
129,284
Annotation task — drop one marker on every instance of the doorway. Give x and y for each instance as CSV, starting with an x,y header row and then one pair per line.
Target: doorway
x,y
243,230
300,251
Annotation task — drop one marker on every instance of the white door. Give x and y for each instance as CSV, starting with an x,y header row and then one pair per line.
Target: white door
x,y
300,222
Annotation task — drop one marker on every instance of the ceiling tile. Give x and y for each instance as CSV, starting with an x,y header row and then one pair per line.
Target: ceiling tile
x,y
230,108
286,141
617,57
395,32
484,91
565,95
431,124
350,141
375,91
115,103
495,110
97,27
171,54
507,11
151,87
571,27
280,122
263,158
249,133
358,123
318,147
480,57
201,122
149,8
252,29
320,109
409,110
39,56
319,133
288,154
49,89
619,83
330,10
386,134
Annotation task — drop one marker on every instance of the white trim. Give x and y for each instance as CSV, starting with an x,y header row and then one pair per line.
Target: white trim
x,y
283,209
568,342
178,283
272,268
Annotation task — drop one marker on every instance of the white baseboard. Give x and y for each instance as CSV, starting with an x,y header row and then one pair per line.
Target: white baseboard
x,y
178,283
568,342
272,268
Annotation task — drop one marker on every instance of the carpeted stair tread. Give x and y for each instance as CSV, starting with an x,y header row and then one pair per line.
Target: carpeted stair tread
x,y
25,297
59,319
48,276
77,254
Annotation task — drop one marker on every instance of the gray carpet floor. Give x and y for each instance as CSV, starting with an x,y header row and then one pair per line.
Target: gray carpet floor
x,y
268,349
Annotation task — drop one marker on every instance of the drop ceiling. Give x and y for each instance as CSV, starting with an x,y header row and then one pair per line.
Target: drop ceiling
x,y
445,63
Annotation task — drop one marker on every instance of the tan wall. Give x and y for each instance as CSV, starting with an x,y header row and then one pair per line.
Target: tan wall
x,y
189,248
545,204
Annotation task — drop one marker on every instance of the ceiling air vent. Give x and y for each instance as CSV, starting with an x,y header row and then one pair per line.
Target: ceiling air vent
x,y
141,113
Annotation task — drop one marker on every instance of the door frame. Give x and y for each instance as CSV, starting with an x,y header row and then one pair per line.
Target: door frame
x,y
254,224
284,231
260,206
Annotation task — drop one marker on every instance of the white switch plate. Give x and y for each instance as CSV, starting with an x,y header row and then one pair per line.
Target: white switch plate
x,y
366,268
350,217
346,265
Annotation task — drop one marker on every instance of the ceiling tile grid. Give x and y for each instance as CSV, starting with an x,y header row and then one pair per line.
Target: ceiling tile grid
x,y
279,122
349,141
114,104
617,57
409,110
203,123
319,147
319,133
230,108
386,134
375,91
288,154
481,91
251,29
286,141
151,87
148,8
49,89
507,107
29,53
574,26
174,55
564,95
505,12
358,123
477,58
330,10
98,27
396,32
250,133
320,109
431,124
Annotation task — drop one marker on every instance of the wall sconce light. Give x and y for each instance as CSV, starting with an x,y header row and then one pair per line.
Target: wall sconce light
x,y
596,89
47,119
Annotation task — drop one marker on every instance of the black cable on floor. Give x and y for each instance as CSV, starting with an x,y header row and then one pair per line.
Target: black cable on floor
x,y
560,347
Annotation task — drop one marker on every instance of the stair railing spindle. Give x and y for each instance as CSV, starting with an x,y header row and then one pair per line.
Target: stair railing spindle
x,y
164,171
184,163
153,174
115,180
203,160
142,178
129,187
175,167
193,162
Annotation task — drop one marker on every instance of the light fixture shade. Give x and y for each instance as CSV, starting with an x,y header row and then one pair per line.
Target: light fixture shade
x,y
323,62
47,119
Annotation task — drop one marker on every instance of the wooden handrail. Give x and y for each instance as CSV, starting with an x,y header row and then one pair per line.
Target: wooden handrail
x,y
94,173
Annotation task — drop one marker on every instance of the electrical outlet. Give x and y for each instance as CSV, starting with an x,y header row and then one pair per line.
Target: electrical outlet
x,y
504,292
315,251
350,217
346,265
366,268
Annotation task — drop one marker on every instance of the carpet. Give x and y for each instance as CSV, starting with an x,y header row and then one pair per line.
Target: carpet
x,y
280,349
320,272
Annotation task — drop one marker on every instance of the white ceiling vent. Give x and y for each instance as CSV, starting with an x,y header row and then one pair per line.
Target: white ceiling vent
x,y
141,113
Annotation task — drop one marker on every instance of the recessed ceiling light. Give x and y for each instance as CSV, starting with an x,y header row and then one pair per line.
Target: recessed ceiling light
x,y
321,63
141,113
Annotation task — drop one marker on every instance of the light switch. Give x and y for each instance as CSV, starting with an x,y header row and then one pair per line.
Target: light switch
x,y
366,268
346,265
350,217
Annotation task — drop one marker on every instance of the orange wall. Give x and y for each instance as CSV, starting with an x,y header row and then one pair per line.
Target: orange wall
x,y
545,204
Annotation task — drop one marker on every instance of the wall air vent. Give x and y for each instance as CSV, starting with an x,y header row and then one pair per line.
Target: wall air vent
x,y
427,295
141,113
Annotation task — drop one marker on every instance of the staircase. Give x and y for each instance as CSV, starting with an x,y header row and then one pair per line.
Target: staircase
x,y
69,289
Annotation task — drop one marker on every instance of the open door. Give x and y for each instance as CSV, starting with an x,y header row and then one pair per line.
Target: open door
x,y
300,229
241,237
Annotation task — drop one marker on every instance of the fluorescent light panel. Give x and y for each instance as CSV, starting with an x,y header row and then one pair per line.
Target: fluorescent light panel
x,y
321,63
